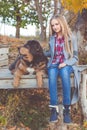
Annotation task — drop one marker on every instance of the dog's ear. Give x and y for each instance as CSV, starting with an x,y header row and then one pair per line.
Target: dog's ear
x,y
35,47
23,50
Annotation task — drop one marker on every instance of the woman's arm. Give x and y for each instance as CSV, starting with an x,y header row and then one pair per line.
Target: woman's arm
x,y
47,53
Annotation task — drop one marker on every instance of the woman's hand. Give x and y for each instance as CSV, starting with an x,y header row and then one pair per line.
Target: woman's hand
x,y
61,65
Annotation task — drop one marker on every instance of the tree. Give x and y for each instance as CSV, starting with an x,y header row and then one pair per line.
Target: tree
x,y
79,7
40,12
21,13
14,12
24,12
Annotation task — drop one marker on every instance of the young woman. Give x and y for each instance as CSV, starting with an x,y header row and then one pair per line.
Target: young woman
x,y
63,54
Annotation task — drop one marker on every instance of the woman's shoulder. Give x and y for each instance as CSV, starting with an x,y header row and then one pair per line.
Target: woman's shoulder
x,y
52,38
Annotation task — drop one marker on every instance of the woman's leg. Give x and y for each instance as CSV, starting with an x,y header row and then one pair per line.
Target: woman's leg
x,y
65,76
52,78
65,73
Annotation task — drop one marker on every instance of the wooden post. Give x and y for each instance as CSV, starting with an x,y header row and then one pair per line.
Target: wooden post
x,y
84,95
4,56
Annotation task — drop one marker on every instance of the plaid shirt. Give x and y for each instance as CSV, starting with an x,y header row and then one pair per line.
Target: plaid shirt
x,y
58,56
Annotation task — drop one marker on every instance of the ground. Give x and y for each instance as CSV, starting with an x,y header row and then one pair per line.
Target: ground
x,y
28,110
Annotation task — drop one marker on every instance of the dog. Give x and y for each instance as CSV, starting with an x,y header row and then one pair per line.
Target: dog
x,y
30,56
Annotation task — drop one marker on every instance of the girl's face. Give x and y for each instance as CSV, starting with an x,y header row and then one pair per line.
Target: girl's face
x,y
56,27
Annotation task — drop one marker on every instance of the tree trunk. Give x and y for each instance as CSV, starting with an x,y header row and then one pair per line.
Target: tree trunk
x,y
57,7
40,18
80,27
17,31
18,19
43,33
84,15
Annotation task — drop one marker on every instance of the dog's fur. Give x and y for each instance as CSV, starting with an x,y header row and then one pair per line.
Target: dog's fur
x,y
30,55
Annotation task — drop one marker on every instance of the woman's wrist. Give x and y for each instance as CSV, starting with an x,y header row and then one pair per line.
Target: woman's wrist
x,y
61,65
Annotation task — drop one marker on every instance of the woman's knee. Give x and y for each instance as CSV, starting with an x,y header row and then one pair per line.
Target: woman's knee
x,y
52,73
65,71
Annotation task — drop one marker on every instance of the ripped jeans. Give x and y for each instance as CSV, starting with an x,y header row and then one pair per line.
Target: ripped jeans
x,y
64,73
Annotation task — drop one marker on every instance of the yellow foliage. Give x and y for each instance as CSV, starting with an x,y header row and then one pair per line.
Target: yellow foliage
x,y
84,2
85,124
74,5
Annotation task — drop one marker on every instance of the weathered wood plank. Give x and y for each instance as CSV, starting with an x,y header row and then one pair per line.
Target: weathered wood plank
x,y
27,81
4,62
4,50
4,56
84,96
5,73
24,83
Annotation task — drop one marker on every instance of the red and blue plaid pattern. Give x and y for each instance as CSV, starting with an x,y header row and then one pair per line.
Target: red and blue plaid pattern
x,y
58,56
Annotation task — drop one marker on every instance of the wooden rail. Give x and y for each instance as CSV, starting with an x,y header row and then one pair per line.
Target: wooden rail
x,y
27,81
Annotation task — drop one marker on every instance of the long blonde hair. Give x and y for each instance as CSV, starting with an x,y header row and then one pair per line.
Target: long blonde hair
x,y
66,32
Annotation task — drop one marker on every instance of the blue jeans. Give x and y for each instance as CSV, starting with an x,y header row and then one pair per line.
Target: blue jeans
x,y
64,73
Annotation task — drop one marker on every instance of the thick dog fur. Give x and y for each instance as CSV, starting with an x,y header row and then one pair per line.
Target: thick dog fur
x,y
30,55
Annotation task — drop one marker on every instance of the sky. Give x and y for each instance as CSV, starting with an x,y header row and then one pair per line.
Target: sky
x,y
10,31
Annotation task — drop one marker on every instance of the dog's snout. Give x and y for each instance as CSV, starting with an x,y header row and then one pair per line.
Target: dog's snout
x,y
22,56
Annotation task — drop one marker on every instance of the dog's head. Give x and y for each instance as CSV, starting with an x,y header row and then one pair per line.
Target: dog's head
x,y
25,54
34,47
32,52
